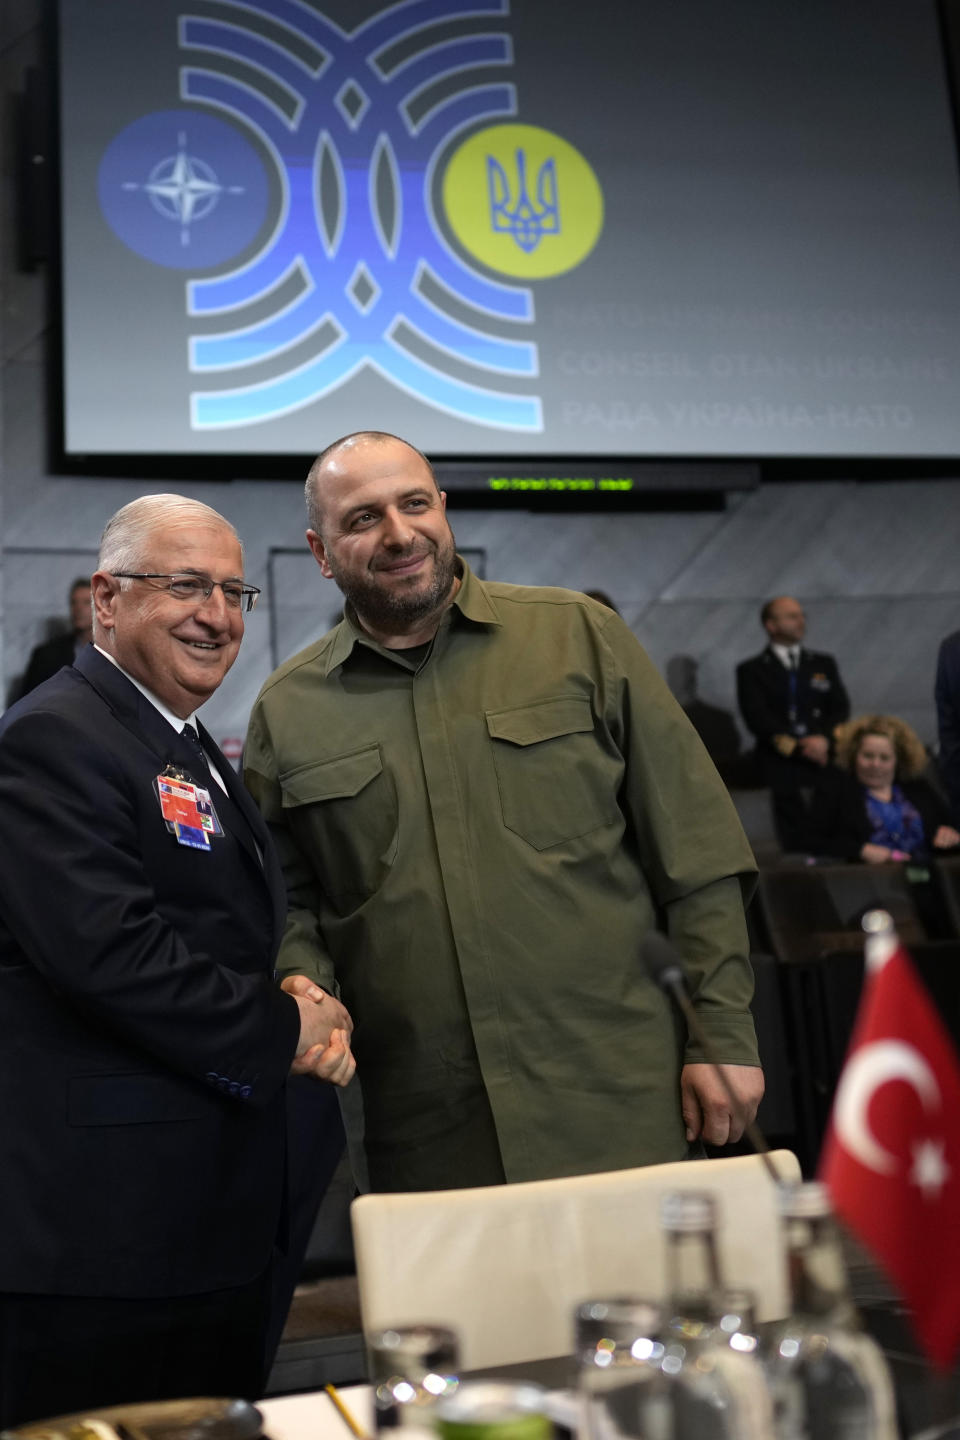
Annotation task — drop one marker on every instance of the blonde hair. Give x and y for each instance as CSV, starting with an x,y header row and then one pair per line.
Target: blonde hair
x,y
907,746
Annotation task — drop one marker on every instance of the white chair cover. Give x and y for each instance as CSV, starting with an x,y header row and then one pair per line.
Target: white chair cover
x,y
505,1265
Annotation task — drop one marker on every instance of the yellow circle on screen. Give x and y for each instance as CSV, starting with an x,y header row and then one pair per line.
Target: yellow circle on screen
x,y
523,201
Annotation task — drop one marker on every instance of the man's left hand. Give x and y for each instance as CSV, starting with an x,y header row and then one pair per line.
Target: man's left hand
x,y
706,1107
333,1062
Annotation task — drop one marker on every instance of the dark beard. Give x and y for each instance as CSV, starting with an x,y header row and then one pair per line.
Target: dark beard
x,y
398,612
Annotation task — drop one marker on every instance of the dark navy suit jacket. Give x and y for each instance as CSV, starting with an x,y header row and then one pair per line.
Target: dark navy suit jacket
x,y
763,694
45,660
143,1043
947,694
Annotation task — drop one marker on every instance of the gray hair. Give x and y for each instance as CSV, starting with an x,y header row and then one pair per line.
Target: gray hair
x,y
126,537
312,486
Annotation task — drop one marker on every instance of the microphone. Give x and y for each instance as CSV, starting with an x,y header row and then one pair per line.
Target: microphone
x,y
665,969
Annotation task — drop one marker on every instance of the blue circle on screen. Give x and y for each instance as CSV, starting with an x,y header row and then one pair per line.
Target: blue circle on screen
x,y
183,189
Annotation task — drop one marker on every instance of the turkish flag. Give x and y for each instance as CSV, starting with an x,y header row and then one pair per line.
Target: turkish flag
x,y
891,1159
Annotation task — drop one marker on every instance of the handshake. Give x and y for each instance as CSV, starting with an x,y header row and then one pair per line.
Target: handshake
x,y
323,1050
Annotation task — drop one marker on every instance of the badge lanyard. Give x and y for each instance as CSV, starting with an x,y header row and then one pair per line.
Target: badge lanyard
x,y
187,809
793,710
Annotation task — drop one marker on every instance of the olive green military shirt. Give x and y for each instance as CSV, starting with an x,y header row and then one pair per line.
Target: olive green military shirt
x,y
476,838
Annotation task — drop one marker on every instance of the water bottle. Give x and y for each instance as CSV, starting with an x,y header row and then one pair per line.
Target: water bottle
x,y
829,1379
714,1384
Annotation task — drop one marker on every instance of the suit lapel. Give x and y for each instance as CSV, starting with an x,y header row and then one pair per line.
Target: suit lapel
x,y
252,827
237,811
237,807
132,709
778,673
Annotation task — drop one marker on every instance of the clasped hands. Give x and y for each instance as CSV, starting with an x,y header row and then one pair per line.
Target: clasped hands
x,y
323,1050
815,748
945,838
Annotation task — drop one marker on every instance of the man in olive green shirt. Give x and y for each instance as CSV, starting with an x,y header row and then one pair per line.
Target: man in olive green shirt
x,y
484,796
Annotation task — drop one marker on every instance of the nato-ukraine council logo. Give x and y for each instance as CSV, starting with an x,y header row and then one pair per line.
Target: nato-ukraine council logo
x,y
522,201
361,200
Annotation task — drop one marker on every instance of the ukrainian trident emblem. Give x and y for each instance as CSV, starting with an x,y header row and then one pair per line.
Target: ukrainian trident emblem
x,y
511,209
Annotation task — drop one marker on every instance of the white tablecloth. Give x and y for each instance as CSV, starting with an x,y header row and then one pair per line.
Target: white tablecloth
x,y
314,1416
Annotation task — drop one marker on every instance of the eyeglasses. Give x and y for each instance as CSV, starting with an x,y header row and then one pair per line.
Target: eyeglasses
x,y
195,588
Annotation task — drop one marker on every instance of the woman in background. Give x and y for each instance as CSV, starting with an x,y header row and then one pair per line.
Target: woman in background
x,y
878,808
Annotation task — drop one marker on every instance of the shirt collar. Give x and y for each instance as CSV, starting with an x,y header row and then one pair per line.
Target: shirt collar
x,y
471,600
784,652
167,713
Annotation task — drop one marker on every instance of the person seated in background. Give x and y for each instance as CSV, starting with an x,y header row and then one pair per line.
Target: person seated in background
x,y
947,695
603,598
50,656
877,807
715,726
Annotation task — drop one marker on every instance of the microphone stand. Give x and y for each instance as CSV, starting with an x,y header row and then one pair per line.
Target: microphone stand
x,y
664,967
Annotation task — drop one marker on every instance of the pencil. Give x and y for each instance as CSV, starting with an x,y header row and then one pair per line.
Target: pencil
x,y
344,1413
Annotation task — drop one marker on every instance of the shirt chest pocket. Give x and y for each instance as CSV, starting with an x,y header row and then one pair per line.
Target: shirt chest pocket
x,y
343,815
553,779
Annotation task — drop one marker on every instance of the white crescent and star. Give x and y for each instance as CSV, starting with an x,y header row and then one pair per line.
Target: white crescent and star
x,y
869,1068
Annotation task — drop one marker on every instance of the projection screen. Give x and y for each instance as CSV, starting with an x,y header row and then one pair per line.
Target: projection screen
x,y
665,228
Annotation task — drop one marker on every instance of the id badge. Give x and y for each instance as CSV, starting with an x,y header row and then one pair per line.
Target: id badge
x,y
208,815
196,839
186,809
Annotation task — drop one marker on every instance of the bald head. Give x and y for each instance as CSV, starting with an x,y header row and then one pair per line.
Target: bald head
x,y
345,454
784,620
379,529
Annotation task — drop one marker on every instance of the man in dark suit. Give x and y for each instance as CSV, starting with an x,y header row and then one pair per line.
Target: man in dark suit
x,y
143,1043
791,700
947,696
50,656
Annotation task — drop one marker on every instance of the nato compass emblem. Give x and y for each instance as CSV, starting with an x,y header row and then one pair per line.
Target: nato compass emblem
x,y
183,188
200,176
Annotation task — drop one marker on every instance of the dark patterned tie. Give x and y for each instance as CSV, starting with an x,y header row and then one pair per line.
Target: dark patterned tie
x,y
793,660
199,765
227,810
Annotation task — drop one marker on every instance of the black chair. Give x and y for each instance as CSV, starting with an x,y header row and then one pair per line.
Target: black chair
x,y
756,816
946,877
811,911
813,914
777,1114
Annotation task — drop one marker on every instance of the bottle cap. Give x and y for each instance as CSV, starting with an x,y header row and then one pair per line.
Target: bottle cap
x,y
609,1330
688,1211
410,1351
809,1200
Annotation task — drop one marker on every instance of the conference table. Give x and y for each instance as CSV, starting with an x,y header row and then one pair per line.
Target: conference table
x,y
314,1416
929,1404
